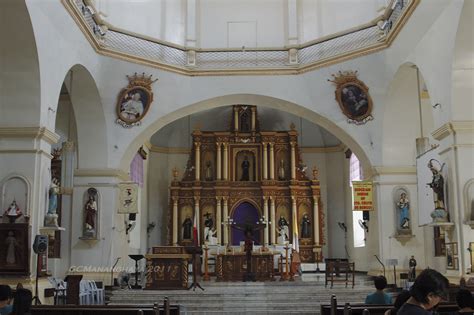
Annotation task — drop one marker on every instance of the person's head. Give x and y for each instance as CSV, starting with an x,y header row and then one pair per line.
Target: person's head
x,y
401,299
403,195
22,302
430,288
5,293
136,96
380,282
464,299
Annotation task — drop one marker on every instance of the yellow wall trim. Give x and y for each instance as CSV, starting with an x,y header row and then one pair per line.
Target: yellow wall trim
x,y
41,133
453,127
106,172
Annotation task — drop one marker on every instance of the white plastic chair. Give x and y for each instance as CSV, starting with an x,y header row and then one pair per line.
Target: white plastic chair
x,y
96,293
85,295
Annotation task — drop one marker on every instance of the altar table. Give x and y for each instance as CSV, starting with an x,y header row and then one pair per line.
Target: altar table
x,y
233,266
167,268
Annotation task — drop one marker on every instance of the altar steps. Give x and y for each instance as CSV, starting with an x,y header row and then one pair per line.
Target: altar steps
x,y
248,298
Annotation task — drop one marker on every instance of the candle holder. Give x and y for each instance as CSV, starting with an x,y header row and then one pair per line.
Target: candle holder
x,y
263,221
229,222
206,276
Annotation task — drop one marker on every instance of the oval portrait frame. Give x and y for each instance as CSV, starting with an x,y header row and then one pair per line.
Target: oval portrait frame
x,y
359,84
121,100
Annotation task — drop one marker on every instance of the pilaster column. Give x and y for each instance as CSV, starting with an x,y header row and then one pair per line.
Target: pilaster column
x,y
226,217
197,216
293,218
236,119
175,221
197,159
292,11
272,161
265,160
219,220
265,214
316,220
191,23
254,118
293,160
272,220
226,161
219,152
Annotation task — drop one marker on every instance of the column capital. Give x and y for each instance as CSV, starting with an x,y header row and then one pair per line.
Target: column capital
x,y
197,144
265,198
272,144
219,198
175,199
293,144
197,198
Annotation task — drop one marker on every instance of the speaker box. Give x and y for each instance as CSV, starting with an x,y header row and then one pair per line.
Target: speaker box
x,y
40,245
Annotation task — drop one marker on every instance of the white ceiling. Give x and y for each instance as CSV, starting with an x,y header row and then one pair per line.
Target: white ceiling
x,y
176,134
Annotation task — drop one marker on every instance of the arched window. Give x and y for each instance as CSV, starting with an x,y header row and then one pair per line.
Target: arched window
x,y
355,173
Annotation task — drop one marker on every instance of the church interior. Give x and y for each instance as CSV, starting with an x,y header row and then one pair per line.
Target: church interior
x,y
149,147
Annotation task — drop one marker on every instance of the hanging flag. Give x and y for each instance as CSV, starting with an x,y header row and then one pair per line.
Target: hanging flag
x,y
296,245
195,230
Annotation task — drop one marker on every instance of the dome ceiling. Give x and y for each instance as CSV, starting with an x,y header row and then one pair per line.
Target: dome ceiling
x,y
176,134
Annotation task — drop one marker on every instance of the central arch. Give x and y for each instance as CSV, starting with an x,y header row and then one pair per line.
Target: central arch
x,y
245,212
248,99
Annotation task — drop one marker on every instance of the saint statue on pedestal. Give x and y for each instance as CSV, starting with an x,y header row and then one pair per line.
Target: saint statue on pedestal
x,y
13,212
404,218
412,266
283,230
51,218
208,173
439,214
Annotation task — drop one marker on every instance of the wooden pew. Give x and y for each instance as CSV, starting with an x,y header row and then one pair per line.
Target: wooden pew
x,y
378,309
105,309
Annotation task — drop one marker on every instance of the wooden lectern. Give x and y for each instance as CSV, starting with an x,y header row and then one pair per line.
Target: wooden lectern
x,y
72,289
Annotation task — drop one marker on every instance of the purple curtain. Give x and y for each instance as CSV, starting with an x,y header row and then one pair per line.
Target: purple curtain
x,y
136,170
245,213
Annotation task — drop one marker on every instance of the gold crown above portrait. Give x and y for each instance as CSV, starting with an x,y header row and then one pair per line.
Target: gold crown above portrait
x,y
140,80
344,76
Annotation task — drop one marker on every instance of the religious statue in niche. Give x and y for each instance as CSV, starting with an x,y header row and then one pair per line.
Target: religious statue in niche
x,y
90,215
208,173
187,228
245,169
12,249
281,170
134,100
305,223
283,231
412,269
245,120
13,212
439,214
353,97
51,218
208,229
403,206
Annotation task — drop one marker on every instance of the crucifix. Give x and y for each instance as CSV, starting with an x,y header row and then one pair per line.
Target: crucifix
x,y
249,229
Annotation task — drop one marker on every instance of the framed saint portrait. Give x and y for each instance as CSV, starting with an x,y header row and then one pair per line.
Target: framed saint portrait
x,y
133,104
354,101
452,261
15,246
353,97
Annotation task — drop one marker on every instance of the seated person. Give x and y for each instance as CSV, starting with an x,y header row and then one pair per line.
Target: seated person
x,y
428,290
465,301
399,301
22,302
379,297
5,299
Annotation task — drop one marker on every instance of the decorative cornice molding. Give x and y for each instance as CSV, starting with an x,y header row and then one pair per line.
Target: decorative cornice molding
x,y
453,127
393,170
41,133
337,148
169,150
105,172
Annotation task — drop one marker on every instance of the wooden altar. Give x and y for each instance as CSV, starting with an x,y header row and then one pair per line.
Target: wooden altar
x,y
167,268
246,175
233,266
